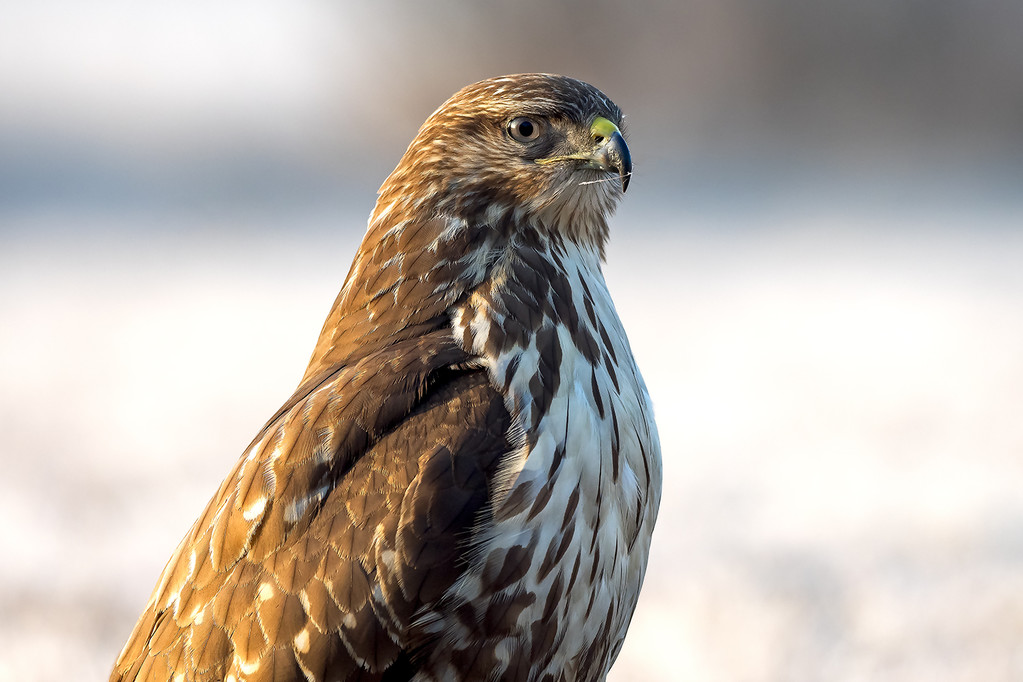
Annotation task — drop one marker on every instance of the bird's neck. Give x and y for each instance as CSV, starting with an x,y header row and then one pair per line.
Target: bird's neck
x,y
415,278
536,306
403,280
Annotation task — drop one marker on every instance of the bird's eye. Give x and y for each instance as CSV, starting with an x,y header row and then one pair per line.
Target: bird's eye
x,y
524,129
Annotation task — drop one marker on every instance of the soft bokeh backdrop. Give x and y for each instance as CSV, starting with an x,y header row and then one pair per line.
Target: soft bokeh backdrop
x,y
819,261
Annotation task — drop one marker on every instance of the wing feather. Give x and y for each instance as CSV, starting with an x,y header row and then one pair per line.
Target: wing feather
x,y
351,512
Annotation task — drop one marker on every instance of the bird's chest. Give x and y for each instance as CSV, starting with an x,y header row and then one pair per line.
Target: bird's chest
x,y
564,554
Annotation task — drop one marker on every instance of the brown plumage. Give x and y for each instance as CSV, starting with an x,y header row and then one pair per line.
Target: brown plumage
x,y
464,484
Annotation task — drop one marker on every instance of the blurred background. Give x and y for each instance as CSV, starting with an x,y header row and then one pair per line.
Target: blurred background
x,y
819,261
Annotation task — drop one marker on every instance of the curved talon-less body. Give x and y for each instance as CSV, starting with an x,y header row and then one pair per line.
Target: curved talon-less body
x,y
464,485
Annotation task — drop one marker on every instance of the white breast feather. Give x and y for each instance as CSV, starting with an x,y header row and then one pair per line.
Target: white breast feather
x,y
618,558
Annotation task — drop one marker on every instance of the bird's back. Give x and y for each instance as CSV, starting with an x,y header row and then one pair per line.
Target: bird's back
x,y
331,598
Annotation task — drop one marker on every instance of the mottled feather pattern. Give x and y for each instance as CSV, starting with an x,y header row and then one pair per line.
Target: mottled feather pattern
x,y
585,431
249,538
464,484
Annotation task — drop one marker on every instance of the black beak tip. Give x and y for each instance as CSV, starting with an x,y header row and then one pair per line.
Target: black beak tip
x,y
622,158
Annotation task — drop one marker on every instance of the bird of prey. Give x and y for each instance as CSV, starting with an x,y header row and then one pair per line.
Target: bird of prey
x,y
465,482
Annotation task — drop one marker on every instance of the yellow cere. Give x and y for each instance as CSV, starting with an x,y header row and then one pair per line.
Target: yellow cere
x,y
603,128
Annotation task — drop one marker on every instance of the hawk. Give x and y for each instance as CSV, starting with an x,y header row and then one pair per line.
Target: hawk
x,y
465,482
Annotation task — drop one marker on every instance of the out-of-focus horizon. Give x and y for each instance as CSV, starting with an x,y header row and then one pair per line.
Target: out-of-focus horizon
x,y
188,105
818,263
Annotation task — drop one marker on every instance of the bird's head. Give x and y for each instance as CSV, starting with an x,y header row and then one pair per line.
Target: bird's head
x,y
538,149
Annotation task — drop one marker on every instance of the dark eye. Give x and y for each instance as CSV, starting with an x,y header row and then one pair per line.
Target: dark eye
x,y
524,129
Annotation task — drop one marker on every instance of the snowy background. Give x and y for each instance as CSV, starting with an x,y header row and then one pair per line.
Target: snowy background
x,y
820,264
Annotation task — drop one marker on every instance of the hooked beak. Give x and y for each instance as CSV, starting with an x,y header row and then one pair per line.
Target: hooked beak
x,y
609,151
